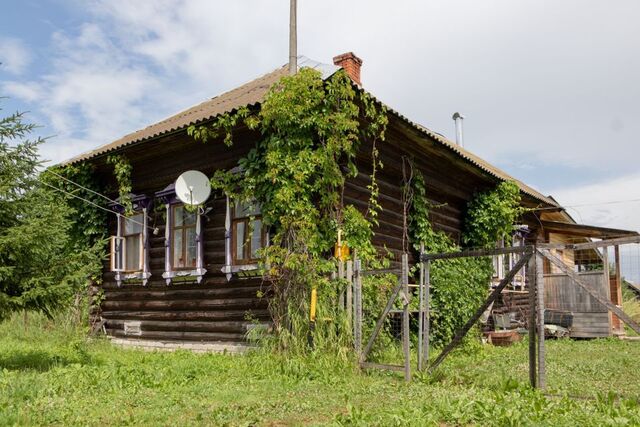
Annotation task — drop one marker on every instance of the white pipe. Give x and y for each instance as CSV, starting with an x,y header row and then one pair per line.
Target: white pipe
x,y
458,118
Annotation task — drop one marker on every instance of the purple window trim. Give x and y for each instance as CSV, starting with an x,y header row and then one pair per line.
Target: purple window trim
x,y
141,203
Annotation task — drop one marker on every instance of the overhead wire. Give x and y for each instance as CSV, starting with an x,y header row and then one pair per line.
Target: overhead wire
x,y
70,194
612,202
83,187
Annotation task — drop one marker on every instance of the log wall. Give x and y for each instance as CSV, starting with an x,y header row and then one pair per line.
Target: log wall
x,y
221,310
215,310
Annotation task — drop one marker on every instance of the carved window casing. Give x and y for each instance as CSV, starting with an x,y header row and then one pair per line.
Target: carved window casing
x,y
184,240
130,245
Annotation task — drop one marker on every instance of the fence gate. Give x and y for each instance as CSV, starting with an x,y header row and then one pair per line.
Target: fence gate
x,y
401,292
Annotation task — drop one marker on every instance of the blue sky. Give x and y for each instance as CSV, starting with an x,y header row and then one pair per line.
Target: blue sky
x,y
549,88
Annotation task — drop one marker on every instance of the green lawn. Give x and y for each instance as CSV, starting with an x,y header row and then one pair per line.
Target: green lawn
x,y
50,375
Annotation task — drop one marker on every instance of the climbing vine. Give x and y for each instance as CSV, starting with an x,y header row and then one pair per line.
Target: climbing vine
x,y
311,130
122,172
460,285
491,216
88,227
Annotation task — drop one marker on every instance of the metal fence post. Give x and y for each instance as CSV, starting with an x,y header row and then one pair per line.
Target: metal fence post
x,y
405,318
427,322
357,307
349,305
420,309
340,277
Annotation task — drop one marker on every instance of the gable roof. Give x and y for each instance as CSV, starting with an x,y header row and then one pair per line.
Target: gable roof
x,y
253,93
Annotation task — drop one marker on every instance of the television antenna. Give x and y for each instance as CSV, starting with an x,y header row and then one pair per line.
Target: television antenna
x,y
193,188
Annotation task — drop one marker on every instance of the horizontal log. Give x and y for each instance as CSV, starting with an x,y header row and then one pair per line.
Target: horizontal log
x,y
239,327
184,336
260,314
175,293
210,281
219,304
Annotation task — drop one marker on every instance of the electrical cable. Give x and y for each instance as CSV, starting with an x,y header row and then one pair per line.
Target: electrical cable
x,y
84,188
94,204
587,204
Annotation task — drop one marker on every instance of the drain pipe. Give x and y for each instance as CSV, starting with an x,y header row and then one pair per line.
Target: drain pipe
x,y
457,117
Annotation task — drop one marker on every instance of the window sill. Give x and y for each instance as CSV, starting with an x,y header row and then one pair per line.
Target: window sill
x,y
182,275
136,276
244,270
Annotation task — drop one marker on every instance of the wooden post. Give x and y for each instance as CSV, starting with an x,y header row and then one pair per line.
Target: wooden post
x,y
420,311
541,380
405,318
606,273
531,285
616,293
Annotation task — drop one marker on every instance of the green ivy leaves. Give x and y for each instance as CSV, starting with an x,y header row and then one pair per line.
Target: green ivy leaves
x,y
491,216
122,171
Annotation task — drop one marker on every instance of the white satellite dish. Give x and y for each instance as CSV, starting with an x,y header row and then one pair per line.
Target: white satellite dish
x,y
193,188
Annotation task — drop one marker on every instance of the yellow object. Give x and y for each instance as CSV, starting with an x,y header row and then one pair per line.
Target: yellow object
x,y
341,250
314,303
344,252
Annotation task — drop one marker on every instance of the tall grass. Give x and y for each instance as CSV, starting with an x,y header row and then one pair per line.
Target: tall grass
x,y
51,374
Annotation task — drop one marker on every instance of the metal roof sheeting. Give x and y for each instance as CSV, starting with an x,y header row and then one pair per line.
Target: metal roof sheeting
x,y
253,93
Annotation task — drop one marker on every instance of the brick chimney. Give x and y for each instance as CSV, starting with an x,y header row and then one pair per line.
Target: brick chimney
x,y
351,64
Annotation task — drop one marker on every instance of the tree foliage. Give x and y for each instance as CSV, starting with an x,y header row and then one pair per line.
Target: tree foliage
x,y
40,266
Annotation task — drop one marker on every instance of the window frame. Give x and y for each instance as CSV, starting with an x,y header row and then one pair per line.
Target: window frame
x,y
141,205
140,236
246,220
196,274
114,252
183,228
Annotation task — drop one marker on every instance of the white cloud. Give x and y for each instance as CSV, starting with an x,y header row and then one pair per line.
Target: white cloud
x,y
538,85
91,95
29,92
614,203
14,55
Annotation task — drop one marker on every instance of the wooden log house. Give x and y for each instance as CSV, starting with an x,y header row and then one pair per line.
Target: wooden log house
x,y
193,285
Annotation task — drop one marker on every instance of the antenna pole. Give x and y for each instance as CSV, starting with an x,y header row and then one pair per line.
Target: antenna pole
x,y
293,38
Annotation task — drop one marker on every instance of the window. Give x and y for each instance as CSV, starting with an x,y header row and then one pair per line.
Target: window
x,y
183,239
127,248
133,246
184,247
130,245
248,235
